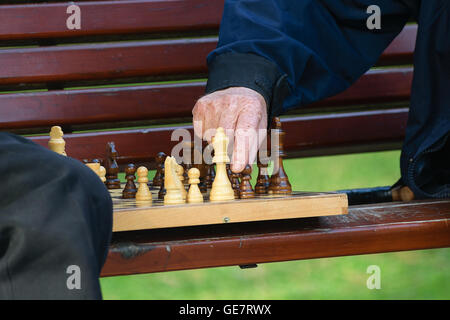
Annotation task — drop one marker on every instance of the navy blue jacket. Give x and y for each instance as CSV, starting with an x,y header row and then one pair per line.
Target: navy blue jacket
x,y
297,52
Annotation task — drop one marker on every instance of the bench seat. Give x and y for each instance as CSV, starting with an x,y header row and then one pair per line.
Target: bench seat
x,y
383,227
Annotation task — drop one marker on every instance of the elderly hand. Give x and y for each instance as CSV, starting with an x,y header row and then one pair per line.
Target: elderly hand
x,y
242,113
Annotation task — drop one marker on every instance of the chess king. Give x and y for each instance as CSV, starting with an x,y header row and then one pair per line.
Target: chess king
x,y
221,189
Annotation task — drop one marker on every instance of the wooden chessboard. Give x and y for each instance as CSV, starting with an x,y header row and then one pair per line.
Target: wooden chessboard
x,y
130,214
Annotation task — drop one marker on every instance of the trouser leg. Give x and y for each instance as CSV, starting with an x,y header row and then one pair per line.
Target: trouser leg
x,y
55,224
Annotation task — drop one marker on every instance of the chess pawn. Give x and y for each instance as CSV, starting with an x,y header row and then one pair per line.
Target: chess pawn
x,y
235,184
279,182
194,195
143,192
180,173
221,189
262,181
129,192
56,142
246,190
158,178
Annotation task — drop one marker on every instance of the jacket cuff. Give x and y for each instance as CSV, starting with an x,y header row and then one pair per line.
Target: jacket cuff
x,y
248,70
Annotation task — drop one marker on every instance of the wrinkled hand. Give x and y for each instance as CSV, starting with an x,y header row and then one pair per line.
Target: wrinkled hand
x,y
242,113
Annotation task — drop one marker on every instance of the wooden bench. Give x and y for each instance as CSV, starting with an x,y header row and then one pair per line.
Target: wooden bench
x,y
132,74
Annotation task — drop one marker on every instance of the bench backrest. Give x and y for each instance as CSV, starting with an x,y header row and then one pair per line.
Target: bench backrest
x,y
136,66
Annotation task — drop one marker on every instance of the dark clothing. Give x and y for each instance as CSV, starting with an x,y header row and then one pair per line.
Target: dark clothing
x,y
298,52
54,213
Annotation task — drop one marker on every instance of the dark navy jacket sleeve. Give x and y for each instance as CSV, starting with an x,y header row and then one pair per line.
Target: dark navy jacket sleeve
x,y
297,52
321,46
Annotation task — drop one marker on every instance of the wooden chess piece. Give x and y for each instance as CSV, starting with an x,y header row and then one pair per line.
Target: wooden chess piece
x,y
130,190
102,173
197,156
279,181
112,169
262,181
194,194
95,166
235,184
221,189
158,178
187,162
228,166
180,173
143,193
56,142
172,183
245,188
162,188
210,175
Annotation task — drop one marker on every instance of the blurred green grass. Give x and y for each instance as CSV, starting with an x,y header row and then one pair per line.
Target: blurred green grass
x,y
404,275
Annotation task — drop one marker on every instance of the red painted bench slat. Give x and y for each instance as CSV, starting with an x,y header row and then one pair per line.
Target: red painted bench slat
x,y
303,135
167,101
104,61
109,17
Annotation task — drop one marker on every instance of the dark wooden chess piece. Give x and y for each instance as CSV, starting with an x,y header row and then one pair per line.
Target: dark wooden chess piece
x,y
162,189
210,175
228,166
279,181
112,169
130,190
245,188
157,179
197,162
235,184
263,181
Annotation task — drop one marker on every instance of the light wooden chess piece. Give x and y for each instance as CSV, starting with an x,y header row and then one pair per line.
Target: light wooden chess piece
x,y
194,195
97,168
180,174
221,189
56,142
172,183
102,173
143,193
